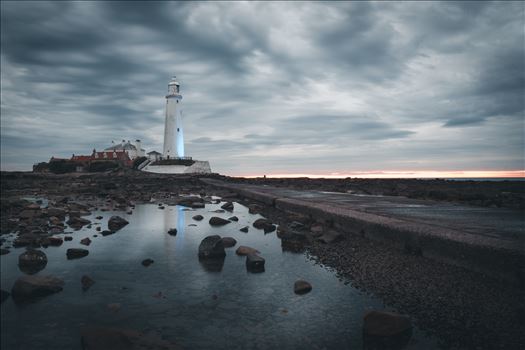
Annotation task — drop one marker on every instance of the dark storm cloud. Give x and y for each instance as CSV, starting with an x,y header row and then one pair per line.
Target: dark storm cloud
x,y
344,86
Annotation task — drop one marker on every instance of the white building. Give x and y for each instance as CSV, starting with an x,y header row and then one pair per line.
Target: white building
x,y
154,156
173,132
133,150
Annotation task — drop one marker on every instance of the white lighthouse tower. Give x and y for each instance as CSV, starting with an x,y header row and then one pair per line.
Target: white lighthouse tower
x,y
173,132
173,160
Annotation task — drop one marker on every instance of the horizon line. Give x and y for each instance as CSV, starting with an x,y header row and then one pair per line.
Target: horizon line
x,y
417,174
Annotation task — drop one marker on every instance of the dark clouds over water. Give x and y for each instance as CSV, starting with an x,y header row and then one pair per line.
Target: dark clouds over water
x,y
269,87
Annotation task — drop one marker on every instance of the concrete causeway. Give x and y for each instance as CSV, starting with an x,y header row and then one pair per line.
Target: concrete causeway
x,y
487,240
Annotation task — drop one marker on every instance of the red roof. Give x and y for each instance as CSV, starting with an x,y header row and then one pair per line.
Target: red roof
x,y
82,158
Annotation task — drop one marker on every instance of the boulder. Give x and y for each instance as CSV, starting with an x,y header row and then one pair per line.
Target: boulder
x,y
227,206
68,238
4,295
301,287
86,282
228,242
191,202
85,241
233,218
147,262
254,263
32,261
98,338
107,233
27,287
211,247
217,221
198,217
172,232
56,212
264,224
76,253
254,209
244,250
115,223
244,229
55,230
77,222
385,324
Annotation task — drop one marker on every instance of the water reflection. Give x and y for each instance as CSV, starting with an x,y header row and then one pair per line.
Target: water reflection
x,y
198,305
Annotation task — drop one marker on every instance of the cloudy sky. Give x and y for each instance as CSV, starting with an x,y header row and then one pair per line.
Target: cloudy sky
x,y
270,88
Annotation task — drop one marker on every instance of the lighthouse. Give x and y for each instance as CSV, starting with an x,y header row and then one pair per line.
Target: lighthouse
x,y
174,160
173,132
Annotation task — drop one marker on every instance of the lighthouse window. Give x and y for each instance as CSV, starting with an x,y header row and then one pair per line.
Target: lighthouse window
x,y
177,129
177,101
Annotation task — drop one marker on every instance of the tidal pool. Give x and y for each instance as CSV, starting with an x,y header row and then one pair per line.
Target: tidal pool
x,y
179,298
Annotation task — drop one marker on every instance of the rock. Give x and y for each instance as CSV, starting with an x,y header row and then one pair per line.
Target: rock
x,y
244,250
172,232
161,207
29,214
301,287
198,217
264,224
385,324
56,230
330,237
32,261
26,240
27,287
218,211
254,209
212,247
115,223
77,222
85,241
56,212
107,233
147,262
4,295
228,242
191,202
233,218
86,282
99,217
98,338
76,253
254,263
55,241
68,238
227,206
98,228
217,221
269,228
4,251
244,229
